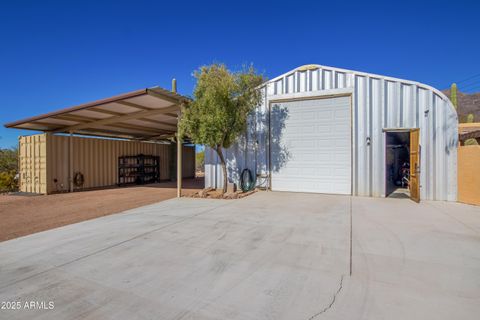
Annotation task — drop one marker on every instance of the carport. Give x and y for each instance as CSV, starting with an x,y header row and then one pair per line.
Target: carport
x,y
150,114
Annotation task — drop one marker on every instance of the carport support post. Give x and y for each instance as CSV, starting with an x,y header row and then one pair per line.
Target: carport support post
x,y
179,147
179,166
70,162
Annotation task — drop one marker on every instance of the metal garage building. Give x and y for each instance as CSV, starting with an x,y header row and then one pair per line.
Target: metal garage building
x,y
329,130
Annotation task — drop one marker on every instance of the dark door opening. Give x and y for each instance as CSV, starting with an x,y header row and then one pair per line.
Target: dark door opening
x,y
397,164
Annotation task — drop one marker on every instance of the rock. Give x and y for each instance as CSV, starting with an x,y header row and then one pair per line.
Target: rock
x,y
203,193
246,194
217,196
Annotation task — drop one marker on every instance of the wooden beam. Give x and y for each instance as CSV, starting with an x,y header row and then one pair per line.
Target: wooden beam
x,y
75,118
138,106
47,124
172,125
129,116
84,119
134,105
138,128
106,133
110,112
161,96
88,119
161,136
173,115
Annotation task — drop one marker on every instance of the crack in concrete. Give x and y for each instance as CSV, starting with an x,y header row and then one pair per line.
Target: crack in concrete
x,y
331,302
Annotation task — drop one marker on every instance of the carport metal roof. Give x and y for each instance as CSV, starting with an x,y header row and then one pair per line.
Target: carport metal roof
x,y
147,114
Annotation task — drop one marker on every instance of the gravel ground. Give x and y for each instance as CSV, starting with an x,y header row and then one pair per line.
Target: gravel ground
x,y
21,215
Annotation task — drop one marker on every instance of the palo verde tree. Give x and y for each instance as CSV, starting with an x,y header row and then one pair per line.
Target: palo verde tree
x,y
218,114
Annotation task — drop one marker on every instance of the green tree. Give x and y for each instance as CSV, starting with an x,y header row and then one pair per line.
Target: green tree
x,y
8,169
222,101
200,160
8,159
453,95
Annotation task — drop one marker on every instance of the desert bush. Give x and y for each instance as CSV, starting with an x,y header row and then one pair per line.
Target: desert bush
x,y
8,169
8,181
200,160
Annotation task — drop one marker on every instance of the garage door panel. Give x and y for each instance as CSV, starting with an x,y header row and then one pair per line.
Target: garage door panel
x,y
313,186
316,137
312,172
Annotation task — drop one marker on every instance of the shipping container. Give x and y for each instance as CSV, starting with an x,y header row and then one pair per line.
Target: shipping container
x,y
49,162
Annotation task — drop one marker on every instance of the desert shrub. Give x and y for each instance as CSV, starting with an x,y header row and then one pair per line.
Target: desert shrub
x,y
471,142
200,160
8,181
8,169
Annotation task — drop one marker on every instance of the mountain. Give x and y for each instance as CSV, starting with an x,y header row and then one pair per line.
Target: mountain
x,y
467,103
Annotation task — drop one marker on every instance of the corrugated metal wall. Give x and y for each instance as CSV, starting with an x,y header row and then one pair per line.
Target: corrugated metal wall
x,y
96,159
46,167
33,163
378,102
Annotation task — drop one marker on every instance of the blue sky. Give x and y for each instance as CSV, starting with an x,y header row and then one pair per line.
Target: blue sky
x,y
56,54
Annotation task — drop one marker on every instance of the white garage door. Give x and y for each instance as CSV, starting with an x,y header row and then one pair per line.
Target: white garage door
x,y
311,146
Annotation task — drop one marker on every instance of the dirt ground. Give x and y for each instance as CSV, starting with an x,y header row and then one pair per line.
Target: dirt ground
x,y
21,215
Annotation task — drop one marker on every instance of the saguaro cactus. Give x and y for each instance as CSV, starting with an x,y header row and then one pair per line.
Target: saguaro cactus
x,y
470,118
453,94
471,142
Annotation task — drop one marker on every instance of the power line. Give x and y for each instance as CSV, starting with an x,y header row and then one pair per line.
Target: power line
x,y
477,88
471,84
472,77
473,91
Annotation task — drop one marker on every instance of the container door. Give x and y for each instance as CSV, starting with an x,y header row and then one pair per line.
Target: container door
x,y
415,165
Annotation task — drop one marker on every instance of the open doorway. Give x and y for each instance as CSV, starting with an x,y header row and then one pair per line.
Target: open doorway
x,y
199,161
397,164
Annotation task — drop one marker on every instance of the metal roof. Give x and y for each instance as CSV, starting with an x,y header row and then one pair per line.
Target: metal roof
x,y
469,131
146,114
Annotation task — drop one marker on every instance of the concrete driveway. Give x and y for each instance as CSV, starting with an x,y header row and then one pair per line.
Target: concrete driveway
x,y
267,256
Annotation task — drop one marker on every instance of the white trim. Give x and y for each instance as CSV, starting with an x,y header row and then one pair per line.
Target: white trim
x,y
320,94
401,129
